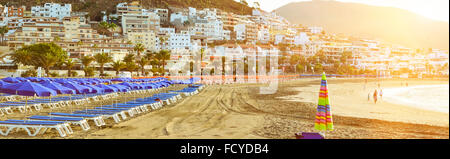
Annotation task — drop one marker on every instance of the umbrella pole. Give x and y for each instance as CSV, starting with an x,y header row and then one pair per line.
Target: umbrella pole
x,y
323,133
70,99
26,104
50,98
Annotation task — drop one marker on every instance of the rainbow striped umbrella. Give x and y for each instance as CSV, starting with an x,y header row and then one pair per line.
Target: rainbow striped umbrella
x,y
324,119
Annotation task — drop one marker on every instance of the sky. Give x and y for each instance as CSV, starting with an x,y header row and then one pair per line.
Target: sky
x,y
433,9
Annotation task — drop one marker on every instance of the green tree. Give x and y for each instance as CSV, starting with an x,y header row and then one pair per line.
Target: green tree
x,y
69,65
293,61
318,68
131,67
151,57
202,54
3,31
29,73
118,66
300,68
163,56
88,71
162,40
139,48
86,62
45,55
102,59
106,28
129,58
56,39
112,26
142,63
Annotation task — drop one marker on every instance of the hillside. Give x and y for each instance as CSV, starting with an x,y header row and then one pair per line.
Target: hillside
x,y
386,23
94,7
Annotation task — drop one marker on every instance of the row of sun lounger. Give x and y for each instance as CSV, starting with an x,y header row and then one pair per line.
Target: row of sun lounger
x,y
58,102
61,122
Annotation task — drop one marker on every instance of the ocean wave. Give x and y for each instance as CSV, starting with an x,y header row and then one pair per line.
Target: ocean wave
x,y
429,97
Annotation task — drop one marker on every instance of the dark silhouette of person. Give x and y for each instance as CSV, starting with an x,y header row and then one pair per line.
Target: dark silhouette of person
x,y
375,96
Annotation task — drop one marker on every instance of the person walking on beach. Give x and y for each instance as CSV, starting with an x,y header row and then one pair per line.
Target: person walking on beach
x,y
375,96
381,94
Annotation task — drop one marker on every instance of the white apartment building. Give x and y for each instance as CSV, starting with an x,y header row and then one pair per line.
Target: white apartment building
x,y
165,31
39,30
52,10
226,35
279,38
192,12
178,18
148,39
180,40
163,15
144,22
315,29
264,36
239,29
128,8
301,39
172,40
210,28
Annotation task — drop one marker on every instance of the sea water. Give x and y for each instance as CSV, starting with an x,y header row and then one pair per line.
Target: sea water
x,y
429,97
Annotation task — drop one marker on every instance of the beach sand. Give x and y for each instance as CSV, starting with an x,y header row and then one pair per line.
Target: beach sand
x,y
238,111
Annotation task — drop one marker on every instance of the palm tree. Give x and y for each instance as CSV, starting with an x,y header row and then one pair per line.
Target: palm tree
x,y
103,27
112,26
102,59
86,61
69,65
117,66
150,56
139,48
23,57
79,43
3,31
47,61
202,54
162,40
129,58
142,62
131,66
162,56
56,39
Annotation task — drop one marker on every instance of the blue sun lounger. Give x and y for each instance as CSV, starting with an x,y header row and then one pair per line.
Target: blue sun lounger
x,y
77,121
5,110
130,110
133,107
104,113
144,103
35,127
98,119
15,106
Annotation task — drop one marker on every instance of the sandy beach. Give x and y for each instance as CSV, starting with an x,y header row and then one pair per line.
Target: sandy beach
x,y
238,111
